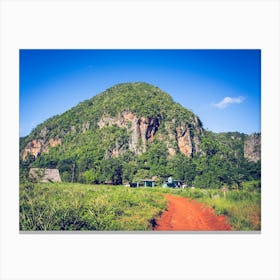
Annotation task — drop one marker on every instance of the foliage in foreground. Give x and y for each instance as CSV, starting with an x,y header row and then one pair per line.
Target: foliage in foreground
x,y
87,207
65,206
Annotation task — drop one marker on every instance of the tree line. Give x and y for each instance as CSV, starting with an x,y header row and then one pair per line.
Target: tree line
x,y
217,167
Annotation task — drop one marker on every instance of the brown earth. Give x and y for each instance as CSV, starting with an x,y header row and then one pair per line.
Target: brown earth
x,y
187,214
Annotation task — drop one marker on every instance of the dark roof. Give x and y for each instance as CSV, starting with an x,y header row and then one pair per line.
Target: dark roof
x,y
146,180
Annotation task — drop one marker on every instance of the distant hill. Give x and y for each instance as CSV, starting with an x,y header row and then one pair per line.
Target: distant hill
x,y
132,131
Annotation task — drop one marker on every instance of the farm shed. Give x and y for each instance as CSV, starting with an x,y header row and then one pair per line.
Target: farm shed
x,y
143,183
172,183
147,182
44,175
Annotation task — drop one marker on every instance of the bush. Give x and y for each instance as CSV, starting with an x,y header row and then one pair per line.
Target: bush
x,y
251,185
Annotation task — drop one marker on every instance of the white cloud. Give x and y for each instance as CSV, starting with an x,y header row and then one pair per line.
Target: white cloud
x,y
229,100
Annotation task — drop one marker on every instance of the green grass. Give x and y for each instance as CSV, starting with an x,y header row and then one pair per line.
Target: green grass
x,y
66,206
242,208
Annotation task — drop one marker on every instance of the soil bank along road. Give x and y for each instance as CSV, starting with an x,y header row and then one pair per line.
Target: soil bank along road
x,y
186,214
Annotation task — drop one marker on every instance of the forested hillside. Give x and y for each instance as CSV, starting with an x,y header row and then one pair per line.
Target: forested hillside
x,y
134,131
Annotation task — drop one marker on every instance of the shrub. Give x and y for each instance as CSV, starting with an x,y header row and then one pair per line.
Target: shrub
x,y
251,185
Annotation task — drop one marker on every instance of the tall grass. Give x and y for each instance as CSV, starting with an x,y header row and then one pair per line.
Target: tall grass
x,y
66,206
63,206
242,208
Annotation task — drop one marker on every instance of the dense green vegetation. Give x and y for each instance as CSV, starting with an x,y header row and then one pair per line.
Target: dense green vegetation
x,y
83,157
219,167
224,162
66,206
142,99
86,156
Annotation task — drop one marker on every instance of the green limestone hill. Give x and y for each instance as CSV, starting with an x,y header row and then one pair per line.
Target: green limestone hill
x,y
126,117
129,131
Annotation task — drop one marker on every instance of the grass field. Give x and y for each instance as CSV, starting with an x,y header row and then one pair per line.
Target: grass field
x,y
66,206
243,208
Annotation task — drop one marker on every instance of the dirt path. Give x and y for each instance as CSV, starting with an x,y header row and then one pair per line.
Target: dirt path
x,y
186,214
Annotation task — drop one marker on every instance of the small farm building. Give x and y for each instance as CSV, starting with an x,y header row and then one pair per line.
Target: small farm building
x,y
44,175
147,183
171,183
143,183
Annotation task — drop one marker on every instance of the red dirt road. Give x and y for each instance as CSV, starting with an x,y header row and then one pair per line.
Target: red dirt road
x,y
186,214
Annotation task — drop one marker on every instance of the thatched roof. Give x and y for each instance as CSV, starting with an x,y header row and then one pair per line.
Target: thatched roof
x,y
44,175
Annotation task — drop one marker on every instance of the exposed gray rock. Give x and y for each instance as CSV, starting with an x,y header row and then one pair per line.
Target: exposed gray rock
x,y
252,147
142,130
44,132
85,126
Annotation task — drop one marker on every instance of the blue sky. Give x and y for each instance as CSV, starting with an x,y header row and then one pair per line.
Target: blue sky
x,y
221,86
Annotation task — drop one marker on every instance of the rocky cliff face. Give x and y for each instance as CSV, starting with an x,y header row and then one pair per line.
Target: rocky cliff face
x,y
183,137
38,146
127,117
143,130
252,147
144,113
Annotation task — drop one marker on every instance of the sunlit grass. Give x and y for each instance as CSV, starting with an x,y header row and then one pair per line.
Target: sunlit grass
x,y
66,206
242,208
63,206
